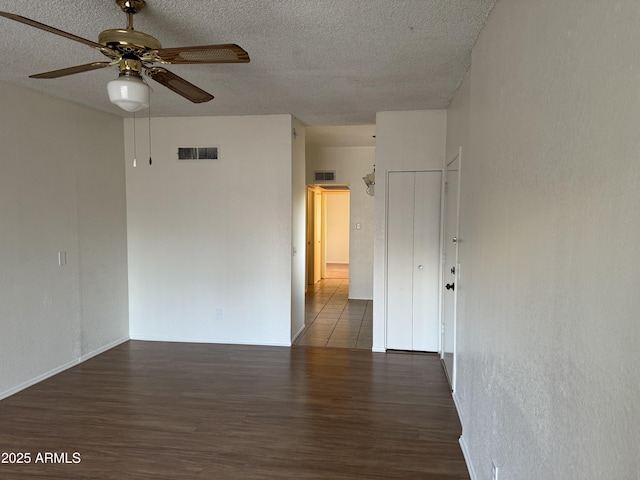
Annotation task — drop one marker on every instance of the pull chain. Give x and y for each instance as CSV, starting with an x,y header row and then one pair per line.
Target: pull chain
x,y
150,161
135,149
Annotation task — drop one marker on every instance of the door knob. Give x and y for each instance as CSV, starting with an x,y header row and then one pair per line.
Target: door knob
x,y
450,286
420,267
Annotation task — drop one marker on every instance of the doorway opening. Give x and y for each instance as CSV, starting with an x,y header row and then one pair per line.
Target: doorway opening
x,y
331,319
328,214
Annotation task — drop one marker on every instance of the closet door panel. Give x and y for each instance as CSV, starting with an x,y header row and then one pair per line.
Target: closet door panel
x,y
426,261
400,260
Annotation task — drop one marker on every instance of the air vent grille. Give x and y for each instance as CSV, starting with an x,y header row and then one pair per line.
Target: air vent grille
x,y
325,176
198,153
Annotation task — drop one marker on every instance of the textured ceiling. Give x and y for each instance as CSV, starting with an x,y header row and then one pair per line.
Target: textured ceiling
x,y
341,136
328,62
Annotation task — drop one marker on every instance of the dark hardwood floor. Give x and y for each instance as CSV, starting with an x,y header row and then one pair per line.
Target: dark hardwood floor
x,y
147,410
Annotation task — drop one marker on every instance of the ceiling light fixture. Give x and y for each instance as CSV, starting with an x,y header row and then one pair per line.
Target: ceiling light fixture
x,y
129,92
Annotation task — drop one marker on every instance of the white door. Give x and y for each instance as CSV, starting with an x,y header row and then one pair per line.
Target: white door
x,y
400,264
413,260
450,267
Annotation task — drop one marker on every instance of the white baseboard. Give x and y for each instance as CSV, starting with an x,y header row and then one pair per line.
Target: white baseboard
x,y
38,379
462,441
100,350
263,344
467,457
456,402
151,338
295,337
60,369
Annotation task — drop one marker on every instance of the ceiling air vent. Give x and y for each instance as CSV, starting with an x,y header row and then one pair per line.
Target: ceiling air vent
x,y
326,176
198,153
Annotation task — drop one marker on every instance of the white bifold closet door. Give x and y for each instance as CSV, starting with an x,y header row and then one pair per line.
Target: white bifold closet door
x,y
413,260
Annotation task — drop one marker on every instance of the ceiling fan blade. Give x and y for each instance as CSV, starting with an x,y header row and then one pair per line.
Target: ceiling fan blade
x,y
179,85
63,72
227,53
47,28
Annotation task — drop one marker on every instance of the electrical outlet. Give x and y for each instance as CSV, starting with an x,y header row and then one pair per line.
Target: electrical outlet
x,y
494,470
219,314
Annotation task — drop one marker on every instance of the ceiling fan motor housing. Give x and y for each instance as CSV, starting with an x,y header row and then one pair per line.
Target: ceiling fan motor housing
x,y
127,41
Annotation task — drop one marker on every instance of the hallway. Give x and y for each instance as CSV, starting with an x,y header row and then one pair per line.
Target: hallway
x,y
332,320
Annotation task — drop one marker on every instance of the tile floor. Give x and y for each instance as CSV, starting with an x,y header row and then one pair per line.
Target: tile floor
x,y
332,320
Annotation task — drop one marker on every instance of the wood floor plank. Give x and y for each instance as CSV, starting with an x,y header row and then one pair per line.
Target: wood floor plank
x,y
147,410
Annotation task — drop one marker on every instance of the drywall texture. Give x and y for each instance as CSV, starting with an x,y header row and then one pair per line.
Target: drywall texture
x,y
405,141
351,164
549,371
210,254
62,189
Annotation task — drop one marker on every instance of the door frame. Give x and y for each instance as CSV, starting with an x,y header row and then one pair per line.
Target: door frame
x,y
315,235
451,375
317,231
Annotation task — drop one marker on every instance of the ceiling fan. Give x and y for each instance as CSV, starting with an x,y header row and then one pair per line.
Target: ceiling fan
x,y
135,52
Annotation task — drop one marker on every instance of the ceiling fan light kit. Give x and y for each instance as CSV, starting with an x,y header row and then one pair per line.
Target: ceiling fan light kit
x,y
135,53
129,93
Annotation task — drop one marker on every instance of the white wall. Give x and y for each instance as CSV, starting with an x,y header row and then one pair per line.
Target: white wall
x,y
62,189
337,231
298,228
211,239
549,370
351,164
405,141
